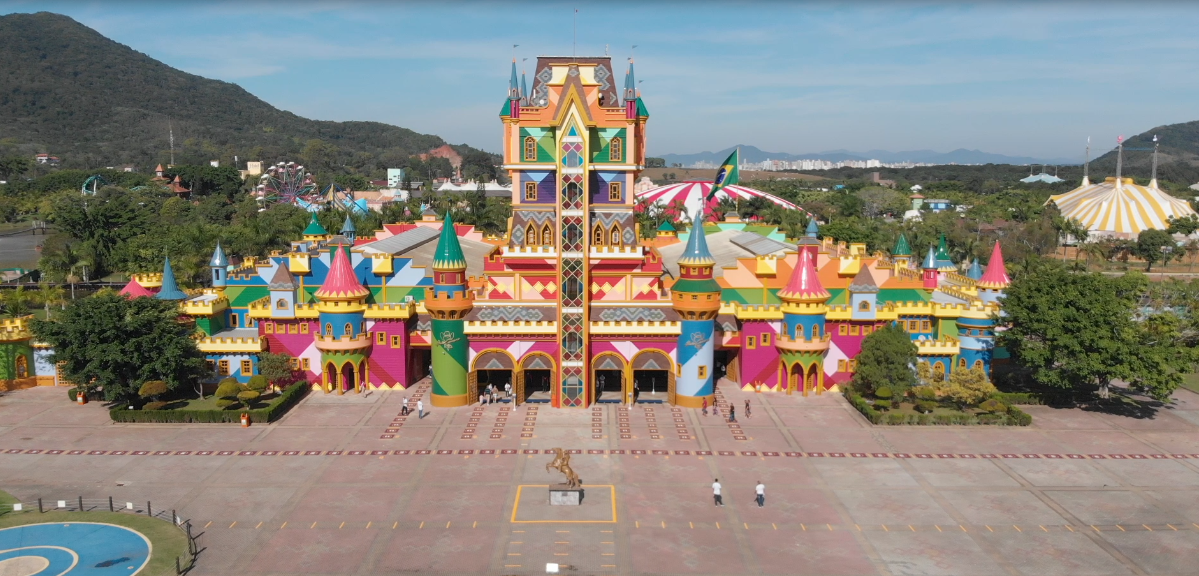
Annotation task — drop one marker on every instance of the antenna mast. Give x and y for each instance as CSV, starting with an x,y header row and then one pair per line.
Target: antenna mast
x,y
1153,179
171,131
1086,166
1119,160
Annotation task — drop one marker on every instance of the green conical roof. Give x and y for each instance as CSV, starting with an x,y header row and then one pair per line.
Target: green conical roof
x,y
667,227
901,247
696,253
170,289
942,249
314,228
449,251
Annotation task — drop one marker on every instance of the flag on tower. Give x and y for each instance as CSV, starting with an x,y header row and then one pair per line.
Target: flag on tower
x,y
727,175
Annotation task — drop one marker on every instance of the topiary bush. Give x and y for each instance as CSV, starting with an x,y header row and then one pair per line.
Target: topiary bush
x,y
258,383
883,393
923,419
882,404
895,418
993,406
1018,417
225,403
154,405
152,389
228,389
926,393
247,397
925,406
73,394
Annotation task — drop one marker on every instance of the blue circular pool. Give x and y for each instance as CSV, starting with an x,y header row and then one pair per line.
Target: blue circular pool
x,y
76,548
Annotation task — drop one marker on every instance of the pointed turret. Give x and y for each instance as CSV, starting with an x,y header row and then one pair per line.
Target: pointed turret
x,y
901,247
283,292
632,104
976,272
348,230
944,261
696,253
863,282
667,230
315,232
813,229
513,84
995,278
804,285
928,270
524,92
341,283
449,251
930,260
135,290
448,302
218,264
170,289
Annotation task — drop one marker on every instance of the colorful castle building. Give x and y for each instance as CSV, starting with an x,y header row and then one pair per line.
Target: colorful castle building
x,y
571,306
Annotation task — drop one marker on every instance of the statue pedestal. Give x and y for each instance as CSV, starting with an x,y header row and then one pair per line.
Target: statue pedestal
x,y
564,495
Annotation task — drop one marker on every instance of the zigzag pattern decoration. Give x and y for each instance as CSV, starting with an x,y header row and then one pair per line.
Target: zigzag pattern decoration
x,y
537,362
510,314
651,361
632,315
609,363
609,218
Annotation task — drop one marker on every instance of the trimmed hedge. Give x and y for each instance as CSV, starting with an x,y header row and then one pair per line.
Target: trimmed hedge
x,y
1011,398
73,394
1013,417
286,400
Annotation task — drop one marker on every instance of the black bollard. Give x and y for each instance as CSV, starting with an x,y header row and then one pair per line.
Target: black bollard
x,y
110,508
174,518
178,568
81,503
148,511
39,505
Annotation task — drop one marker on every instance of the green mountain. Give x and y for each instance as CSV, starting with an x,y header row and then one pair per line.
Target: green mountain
x,y
68,91
1177,159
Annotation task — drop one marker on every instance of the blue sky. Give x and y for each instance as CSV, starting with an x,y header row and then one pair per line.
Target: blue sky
x,y
1011,78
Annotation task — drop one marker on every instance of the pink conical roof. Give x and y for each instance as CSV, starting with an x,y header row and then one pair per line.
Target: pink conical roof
x,y
804,284
996,274
135,290
340,282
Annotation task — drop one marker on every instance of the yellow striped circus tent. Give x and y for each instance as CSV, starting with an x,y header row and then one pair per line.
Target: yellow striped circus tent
x,y
1120,209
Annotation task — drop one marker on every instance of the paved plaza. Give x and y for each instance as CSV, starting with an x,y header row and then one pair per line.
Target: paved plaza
x,y
344,485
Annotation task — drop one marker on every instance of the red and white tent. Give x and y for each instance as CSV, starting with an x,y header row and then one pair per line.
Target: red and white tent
x,y
693,193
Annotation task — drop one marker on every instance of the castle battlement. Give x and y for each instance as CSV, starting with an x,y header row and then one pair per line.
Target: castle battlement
x,y
217,344
786,343
511,327
328,343
946,346
15,329
148,279
398,310
636,327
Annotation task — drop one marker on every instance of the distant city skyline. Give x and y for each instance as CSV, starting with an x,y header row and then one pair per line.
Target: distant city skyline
x,y
1023,80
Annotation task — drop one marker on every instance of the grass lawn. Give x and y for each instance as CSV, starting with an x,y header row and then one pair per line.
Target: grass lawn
x,y
167,542
209,403
1191,382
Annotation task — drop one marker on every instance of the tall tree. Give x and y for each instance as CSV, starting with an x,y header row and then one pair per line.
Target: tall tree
x,y
888,358
1154,246
117,344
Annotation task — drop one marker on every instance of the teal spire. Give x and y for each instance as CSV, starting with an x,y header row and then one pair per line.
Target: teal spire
x,y
976,271
901,247
524,91
314,228
666,226
449,252
696,253
170,289
813,230
513,84
930,261
348,230
630,83
219,260
944,261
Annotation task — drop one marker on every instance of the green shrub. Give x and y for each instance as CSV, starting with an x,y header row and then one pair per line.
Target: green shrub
x,y
1018,417
154,405
941,419
923,419
247,397
896,418
73,394
225,403
991,418
1019,398
262,415
992,405
925,406
258,383
152,389
883,393
228,389
882,404
926,393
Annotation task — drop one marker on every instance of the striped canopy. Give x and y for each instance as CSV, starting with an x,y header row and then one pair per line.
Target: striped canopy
x,y
693,193
1108,209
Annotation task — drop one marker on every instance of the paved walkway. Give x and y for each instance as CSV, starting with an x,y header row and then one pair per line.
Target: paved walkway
x,y
345,485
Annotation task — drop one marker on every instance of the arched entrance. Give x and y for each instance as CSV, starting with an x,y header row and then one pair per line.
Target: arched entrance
x,y
795,379
653,376
492,368
813,381
608,376
535,379
22,366
349,378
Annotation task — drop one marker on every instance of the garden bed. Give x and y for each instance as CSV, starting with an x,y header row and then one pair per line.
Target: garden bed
x,y
905,413
205,410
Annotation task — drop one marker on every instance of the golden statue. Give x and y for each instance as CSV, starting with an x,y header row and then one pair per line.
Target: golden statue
x,y
561,463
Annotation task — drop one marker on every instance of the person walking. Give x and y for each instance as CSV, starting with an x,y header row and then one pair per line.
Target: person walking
x,y
719,501
705,405
732,413
420,409
747,414
508,389
760,491
404,409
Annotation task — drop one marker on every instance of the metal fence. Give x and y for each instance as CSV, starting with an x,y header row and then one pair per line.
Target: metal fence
x,y
81,504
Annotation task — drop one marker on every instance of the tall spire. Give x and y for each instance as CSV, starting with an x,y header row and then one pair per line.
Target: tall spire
x,y
349,230
930,261
314,227
1086,165
996,276
901,247
524,92
696,253
170,289
218,257
804,285
1119,161
513,84
975,272
449,251
341,283
1153,179
630,83
812,230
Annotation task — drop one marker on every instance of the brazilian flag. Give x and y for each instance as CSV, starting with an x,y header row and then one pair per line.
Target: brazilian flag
x,y
727,175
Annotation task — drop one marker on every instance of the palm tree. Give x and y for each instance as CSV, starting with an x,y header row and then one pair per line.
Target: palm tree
x,y
50,295
16,302
69,264
1094,250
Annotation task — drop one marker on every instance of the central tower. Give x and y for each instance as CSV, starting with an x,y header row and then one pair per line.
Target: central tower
x,y
573,148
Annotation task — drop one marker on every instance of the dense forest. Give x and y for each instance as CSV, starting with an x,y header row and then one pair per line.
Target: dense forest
x,y
67,90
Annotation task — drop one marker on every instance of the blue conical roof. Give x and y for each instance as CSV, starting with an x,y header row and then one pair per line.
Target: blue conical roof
x,y
930,261
976,271
813,229
219,260
348,225
696,253
513,83
170,289
524,91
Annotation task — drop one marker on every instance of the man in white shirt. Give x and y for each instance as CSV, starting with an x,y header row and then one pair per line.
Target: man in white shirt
x,y
508,389
404,409
716,492
760,489
420,409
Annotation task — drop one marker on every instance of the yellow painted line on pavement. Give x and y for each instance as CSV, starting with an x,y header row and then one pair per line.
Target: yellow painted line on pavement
x,y
910,528
562,542
988,528
775,527
1042,528
746,524
963,528
1147,527
607,565
884,528
1194,524
258,526
283,526
718,525
514,553
511,565
805,528
313,526
858,527
516,542
562,531
447,524
393,526
692,525
343,525
663,523
1121,528
368,525
636,523
603,531
1068,527
830,527
233,524
1172,527
1017,528
607,554
561,553
208,524
475,524
1093,526
421,527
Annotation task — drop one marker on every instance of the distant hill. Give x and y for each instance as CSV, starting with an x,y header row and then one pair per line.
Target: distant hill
x,y
959,156
1177,161
67,90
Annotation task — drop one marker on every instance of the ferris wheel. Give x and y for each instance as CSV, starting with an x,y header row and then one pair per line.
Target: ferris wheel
x,y
287,183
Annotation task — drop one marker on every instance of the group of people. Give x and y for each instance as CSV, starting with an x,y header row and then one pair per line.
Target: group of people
x,y
732,410
759,493
420,408
492,394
